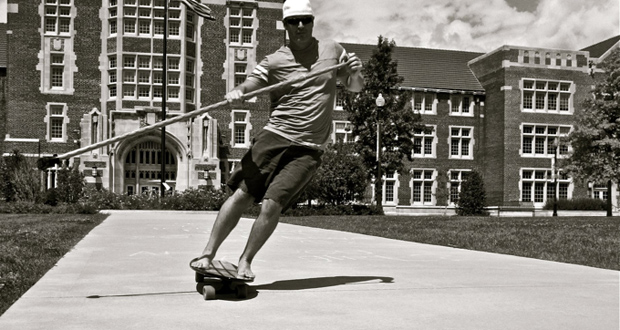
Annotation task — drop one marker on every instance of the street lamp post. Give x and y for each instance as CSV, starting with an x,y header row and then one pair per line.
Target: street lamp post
x,y
380,102
555,180
162,188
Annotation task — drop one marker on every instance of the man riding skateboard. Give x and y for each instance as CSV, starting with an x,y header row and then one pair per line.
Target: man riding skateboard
x,y
286,153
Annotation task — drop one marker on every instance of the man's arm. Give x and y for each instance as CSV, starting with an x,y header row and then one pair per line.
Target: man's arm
x,y
235,96
351,74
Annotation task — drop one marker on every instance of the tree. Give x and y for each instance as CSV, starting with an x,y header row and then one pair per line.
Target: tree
x,y
70,185
596,139
19,179
472,199
396,118
341,179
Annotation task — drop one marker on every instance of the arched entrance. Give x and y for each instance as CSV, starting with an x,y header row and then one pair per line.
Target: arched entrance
x,y
143,168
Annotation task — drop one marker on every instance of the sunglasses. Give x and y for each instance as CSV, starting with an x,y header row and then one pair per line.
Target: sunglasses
x,y
295,21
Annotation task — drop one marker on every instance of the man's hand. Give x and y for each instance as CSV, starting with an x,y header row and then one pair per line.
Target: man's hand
x,y
235,97
351,74
354,64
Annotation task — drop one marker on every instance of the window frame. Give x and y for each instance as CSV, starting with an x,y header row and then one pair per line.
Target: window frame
x,y
51,117
423,137
547,96
425,182
461,137
456,101
234,123
544,179
532,133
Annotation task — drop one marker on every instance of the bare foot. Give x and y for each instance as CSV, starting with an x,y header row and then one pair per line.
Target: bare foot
x,y
203,263
245,271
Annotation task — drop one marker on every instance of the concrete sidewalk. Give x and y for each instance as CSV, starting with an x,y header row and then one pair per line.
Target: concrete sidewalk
x,y
131,272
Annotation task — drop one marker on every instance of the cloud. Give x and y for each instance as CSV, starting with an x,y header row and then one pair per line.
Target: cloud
x,y
474,25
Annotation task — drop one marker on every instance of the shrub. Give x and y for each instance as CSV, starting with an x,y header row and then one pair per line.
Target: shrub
x,y
70,185
341,179
51,197
321,210
581,204
472,199
19,181
190,199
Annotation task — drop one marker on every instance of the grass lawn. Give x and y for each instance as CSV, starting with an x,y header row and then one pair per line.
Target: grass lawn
x,y
31,244
589,241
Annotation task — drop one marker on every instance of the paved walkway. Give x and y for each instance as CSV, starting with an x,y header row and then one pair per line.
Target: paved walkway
x,y
131,273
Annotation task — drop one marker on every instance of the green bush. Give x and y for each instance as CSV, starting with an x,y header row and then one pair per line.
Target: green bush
x,y
341,178
18,179
472,199
581,204
190,199
70,185
321,210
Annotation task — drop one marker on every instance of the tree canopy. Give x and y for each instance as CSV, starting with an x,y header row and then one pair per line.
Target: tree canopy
x,y
596,139
396,118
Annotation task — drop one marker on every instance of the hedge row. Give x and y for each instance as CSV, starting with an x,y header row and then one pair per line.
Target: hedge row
x,y
578,204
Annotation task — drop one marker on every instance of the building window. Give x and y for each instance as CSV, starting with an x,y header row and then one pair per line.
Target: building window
x,y
241,22
540,140
145,18
456,182
240,73
142,76
56,122
390,188
240,128
57,17
461,105
547,96
424,103
56,76
423,186
461,142
599,191
339,100
425,143
538,185
342,132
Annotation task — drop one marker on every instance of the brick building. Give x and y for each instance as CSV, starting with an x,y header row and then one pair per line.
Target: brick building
x,y
500,113
83,72
79,72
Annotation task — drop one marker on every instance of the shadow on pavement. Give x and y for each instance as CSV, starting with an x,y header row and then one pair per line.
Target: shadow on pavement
x,y
321,282
285,285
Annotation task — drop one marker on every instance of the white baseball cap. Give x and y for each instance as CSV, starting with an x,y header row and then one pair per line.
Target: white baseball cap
x,y
297,8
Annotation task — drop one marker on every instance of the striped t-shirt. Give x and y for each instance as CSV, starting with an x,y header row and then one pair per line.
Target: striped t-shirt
x,y
302,112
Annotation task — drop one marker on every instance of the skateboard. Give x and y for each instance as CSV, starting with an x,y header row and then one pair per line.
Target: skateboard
x,y
220,278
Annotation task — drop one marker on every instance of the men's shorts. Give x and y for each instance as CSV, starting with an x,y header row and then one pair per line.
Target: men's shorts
x,y
275,168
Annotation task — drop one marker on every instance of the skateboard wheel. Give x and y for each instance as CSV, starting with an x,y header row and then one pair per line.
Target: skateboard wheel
x,y
242,291
208,292
199,277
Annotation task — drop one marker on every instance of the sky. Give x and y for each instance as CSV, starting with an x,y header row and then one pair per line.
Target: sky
x,y
469,25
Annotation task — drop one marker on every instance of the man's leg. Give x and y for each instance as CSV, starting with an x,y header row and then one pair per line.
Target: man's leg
x,y
227,219
262,229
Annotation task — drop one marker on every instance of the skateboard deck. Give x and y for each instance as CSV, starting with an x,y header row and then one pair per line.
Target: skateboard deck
x,y
220,278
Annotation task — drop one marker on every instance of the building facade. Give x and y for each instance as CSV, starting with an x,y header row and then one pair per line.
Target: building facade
x,y
84,72
79,72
